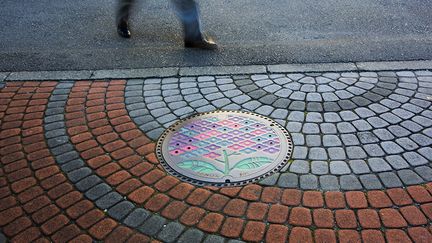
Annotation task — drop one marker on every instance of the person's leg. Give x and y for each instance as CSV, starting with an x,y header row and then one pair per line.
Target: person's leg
x,y
123,11
187,12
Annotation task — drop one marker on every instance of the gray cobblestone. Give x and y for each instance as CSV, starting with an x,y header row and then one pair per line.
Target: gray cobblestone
x,y
314,117
299,167
109,200
414,158
425,172
328,128
214,239
364,112
390,118
397,162
296,116
370,182
268,99
355,152
391,147
390,179
412,126
98,191
362,125
270,181
407,144
332,117
57,141
54,126
421,140
350,182
191,235
183,111
359,166
308,182
426,152
252,105
297,105
264,110
378,165
79,174
63,158
329,183
311,128
377,122
137,217
319,167
279,114
383,134
409,177
317,154
120,210
337,153
314,106
313,140
88,183
345,127
373,150
367,137
339,168
152,225
72,165
206,108
170,232
288,180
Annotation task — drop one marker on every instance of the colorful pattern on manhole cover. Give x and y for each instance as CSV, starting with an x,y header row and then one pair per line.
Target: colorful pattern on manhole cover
x,y
224,148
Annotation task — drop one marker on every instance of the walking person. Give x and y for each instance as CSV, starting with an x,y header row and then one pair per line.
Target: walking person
x,y
187,12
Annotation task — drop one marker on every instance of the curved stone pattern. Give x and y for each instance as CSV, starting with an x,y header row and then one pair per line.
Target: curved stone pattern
x,y
96,189
380,141
66,155
38,203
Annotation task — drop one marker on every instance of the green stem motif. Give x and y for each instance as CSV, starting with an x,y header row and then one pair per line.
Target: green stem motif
x,y
226,161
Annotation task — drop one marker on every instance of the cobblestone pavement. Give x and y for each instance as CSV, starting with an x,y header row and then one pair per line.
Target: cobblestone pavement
x,y
78,162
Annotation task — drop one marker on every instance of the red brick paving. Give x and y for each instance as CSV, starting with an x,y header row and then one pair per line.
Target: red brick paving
x,y
37,202
41,205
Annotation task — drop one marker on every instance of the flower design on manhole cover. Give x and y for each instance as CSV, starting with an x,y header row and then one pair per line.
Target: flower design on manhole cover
x,y
224,148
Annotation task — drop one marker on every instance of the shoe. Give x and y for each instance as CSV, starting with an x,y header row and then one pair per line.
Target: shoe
x,y
201,43
123,29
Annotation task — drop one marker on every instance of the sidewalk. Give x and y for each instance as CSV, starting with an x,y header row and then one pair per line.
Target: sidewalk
x,y
78,161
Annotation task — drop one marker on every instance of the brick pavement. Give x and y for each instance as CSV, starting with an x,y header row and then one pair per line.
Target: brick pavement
x,y
78,162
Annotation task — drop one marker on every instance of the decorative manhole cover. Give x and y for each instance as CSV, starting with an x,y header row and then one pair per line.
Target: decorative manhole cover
x,y
224,148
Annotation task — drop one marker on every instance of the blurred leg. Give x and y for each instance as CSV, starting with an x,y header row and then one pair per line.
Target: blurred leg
x,y
123,10
187,12
122,17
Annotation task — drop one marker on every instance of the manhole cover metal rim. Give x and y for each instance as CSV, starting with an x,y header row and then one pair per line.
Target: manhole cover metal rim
x,y
288,149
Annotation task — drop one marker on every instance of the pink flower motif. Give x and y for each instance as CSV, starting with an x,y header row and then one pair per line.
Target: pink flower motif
x,y
211,155
202,136
176,152
235,147
234,125
247,143
258,132
189,148
212,133
225,122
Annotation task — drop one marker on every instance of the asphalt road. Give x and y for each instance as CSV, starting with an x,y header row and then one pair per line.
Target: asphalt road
x,y
80,34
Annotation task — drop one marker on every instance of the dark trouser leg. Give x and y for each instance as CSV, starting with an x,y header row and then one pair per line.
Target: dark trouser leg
x,y
123,10
187,12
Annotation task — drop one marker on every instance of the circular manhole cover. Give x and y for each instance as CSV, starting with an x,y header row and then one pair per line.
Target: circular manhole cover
x,y
224,148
